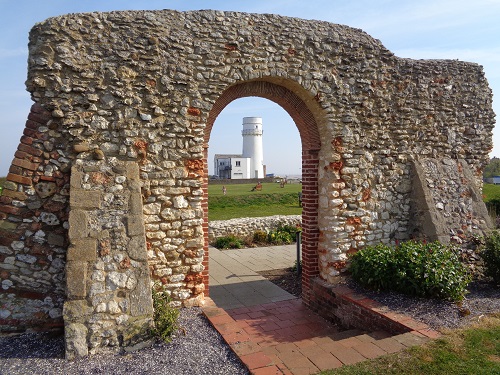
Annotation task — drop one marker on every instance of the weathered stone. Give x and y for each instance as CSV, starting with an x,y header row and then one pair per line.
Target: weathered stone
x,y
81,147
74,310
136,248
85,199
82,249
45,189
141,301
76,279
75,335
78,224
49,218
135,225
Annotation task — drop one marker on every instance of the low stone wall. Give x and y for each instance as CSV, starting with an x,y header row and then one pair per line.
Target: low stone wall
x,y
243,227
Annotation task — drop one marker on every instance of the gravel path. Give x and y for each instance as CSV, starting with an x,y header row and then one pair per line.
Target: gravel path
x,y
200,351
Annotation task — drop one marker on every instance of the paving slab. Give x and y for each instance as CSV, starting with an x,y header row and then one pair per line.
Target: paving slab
x,y
272,331
234,279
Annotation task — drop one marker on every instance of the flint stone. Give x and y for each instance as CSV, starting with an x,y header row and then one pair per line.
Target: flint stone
x,y
45,189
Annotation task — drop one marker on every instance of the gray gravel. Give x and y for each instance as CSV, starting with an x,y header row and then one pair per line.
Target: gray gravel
x,y
200,350
482,299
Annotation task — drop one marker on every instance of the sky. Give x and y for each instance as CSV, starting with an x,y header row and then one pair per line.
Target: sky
x,y
467,30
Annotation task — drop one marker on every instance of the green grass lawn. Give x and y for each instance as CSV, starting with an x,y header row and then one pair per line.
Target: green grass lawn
x,y
473,350
491,192
240,201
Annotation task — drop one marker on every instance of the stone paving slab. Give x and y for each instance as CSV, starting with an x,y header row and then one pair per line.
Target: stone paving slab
x,y
234,281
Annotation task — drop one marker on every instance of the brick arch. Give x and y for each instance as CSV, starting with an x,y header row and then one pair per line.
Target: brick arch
x,y
307,125
287,99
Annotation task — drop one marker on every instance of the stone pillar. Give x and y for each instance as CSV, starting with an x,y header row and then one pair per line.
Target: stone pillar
x,y
108,286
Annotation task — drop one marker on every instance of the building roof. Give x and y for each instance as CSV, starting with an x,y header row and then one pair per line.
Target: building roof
x,y
227,156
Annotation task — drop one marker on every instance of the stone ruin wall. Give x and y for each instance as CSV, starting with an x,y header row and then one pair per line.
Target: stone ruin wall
x,y
144,87
247,226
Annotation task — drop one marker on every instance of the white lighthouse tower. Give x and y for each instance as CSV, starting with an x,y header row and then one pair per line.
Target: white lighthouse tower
x,y
252,145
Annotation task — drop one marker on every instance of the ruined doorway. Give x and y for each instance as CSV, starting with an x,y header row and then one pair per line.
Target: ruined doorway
x,y
281,94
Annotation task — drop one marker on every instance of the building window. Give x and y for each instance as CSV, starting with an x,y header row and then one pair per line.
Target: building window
x,y
238,164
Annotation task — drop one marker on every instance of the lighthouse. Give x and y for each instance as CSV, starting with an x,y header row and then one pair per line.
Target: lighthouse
x,y
252,145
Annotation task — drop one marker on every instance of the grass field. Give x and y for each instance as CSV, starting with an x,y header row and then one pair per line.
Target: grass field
x,y
491,192
240,201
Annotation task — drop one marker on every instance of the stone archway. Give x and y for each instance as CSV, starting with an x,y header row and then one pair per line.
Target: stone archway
x,y
307,125
109,180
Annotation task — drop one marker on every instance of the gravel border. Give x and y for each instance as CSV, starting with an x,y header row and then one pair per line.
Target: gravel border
x,y
482,299
197,348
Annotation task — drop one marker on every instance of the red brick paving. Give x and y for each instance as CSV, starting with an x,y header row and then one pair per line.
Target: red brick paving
x,y
285,338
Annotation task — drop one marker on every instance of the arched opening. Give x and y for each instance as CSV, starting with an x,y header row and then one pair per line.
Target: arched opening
x,y
307,125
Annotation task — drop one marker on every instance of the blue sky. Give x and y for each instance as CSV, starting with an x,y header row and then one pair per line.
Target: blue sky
x,y
426,29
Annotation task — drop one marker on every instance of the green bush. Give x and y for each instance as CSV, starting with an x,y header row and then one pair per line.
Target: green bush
x,y
280,238
491,256
260,237
283,235
414,268
165,316
229,242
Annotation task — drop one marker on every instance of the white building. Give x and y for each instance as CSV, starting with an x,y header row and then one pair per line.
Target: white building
x,y
250,164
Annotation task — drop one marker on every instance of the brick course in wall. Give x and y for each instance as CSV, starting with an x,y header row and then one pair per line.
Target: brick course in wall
x,y
146,87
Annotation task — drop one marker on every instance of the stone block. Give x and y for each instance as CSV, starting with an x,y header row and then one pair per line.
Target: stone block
x,y
75,335
76,310
76,280
141,301
76,178
82,249
135,225
132,171
135,203
136,248
85,198
78,224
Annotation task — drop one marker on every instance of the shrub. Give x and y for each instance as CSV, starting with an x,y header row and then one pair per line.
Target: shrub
x,y
491,256
280,238
260,237
229,242
414,268
283,235
165,316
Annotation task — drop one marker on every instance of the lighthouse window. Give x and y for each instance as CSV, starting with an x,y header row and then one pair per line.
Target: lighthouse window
x,y
238,164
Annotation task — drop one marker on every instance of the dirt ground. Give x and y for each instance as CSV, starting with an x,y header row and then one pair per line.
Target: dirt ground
x,y
286,279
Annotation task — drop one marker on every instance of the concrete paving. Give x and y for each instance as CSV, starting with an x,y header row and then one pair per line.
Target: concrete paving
x,y
234,281
272,332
